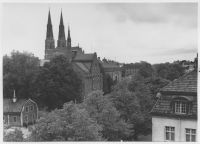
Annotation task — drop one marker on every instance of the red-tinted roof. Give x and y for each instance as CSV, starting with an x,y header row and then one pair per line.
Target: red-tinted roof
x,y
187,83
84,57
10,106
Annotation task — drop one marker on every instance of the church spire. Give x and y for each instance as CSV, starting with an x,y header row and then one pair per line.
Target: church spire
x,y
61,35
68,38
49,42
49,34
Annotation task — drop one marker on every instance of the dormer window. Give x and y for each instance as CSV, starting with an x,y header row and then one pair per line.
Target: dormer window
x,y
180,107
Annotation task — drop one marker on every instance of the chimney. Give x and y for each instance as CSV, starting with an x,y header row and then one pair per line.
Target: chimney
x,y
74,52
14,97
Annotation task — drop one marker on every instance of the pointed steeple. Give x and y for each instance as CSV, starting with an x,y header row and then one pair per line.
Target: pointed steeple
x,y
61,19
61,35
49,34
68,38
49,18
49,42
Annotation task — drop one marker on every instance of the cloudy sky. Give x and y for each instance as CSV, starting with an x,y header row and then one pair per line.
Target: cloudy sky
x,y
127,32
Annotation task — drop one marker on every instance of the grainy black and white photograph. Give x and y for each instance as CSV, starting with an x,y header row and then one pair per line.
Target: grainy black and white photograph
x,y
99,71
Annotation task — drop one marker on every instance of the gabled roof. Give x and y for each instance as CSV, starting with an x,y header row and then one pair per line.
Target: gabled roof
x,y
84,57
88,65
111,67
10,106
187,83
82,66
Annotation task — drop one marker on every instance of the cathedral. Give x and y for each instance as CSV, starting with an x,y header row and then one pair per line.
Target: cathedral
x,y
85,64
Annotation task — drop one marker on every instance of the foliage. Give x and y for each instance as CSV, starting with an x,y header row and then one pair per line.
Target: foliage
x,y
102,110
68,124
58,83
132,98
155,84
15,136
169,71
19,73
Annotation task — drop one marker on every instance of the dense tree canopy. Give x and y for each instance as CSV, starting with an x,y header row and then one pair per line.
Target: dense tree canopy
x,y
68,124
15,136
132,98
102,110
58,83
20,71
169,71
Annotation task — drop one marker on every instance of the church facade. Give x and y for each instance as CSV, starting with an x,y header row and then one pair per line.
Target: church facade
x,y
85,64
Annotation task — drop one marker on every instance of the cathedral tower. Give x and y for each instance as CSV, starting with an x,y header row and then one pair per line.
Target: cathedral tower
x,y
49,42
61,35
68,39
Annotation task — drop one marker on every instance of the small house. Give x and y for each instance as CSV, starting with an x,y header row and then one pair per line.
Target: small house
x,y
19,112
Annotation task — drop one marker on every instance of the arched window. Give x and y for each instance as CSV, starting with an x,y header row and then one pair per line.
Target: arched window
x,y
181,105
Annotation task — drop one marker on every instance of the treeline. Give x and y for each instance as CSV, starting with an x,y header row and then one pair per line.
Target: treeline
x,y
50,86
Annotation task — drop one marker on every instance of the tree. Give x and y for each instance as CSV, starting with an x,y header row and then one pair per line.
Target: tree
x,y
68,124
58,83
20,71
155,84
169,71
15,136
102,110
145,69
132,98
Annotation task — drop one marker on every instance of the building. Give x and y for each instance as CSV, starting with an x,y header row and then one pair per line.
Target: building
x,y
19,112
85,64
174,116
129,69
113,70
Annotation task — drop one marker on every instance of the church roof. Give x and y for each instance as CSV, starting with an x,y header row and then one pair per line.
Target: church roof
x,y
84,57
82,66
187,83
10,106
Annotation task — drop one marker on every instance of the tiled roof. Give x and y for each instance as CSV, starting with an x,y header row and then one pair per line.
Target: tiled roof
x,y
187,83
10,106
78,49
163,105
82,66
88,65
110,66
84,57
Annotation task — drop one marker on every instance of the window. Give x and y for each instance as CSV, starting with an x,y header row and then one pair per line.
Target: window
x,y
33,116
169,133
14,119
190,134
180,107
31,107
26,109
25,118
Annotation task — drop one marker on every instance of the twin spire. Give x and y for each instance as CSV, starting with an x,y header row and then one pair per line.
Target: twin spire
x,y
61,34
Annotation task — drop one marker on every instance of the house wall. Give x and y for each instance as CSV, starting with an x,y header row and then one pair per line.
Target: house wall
x,y
159,123
29,113
11,121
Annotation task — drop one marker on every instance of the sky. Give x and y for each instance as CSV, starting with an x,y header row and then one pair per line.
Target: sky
x,y
125,32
